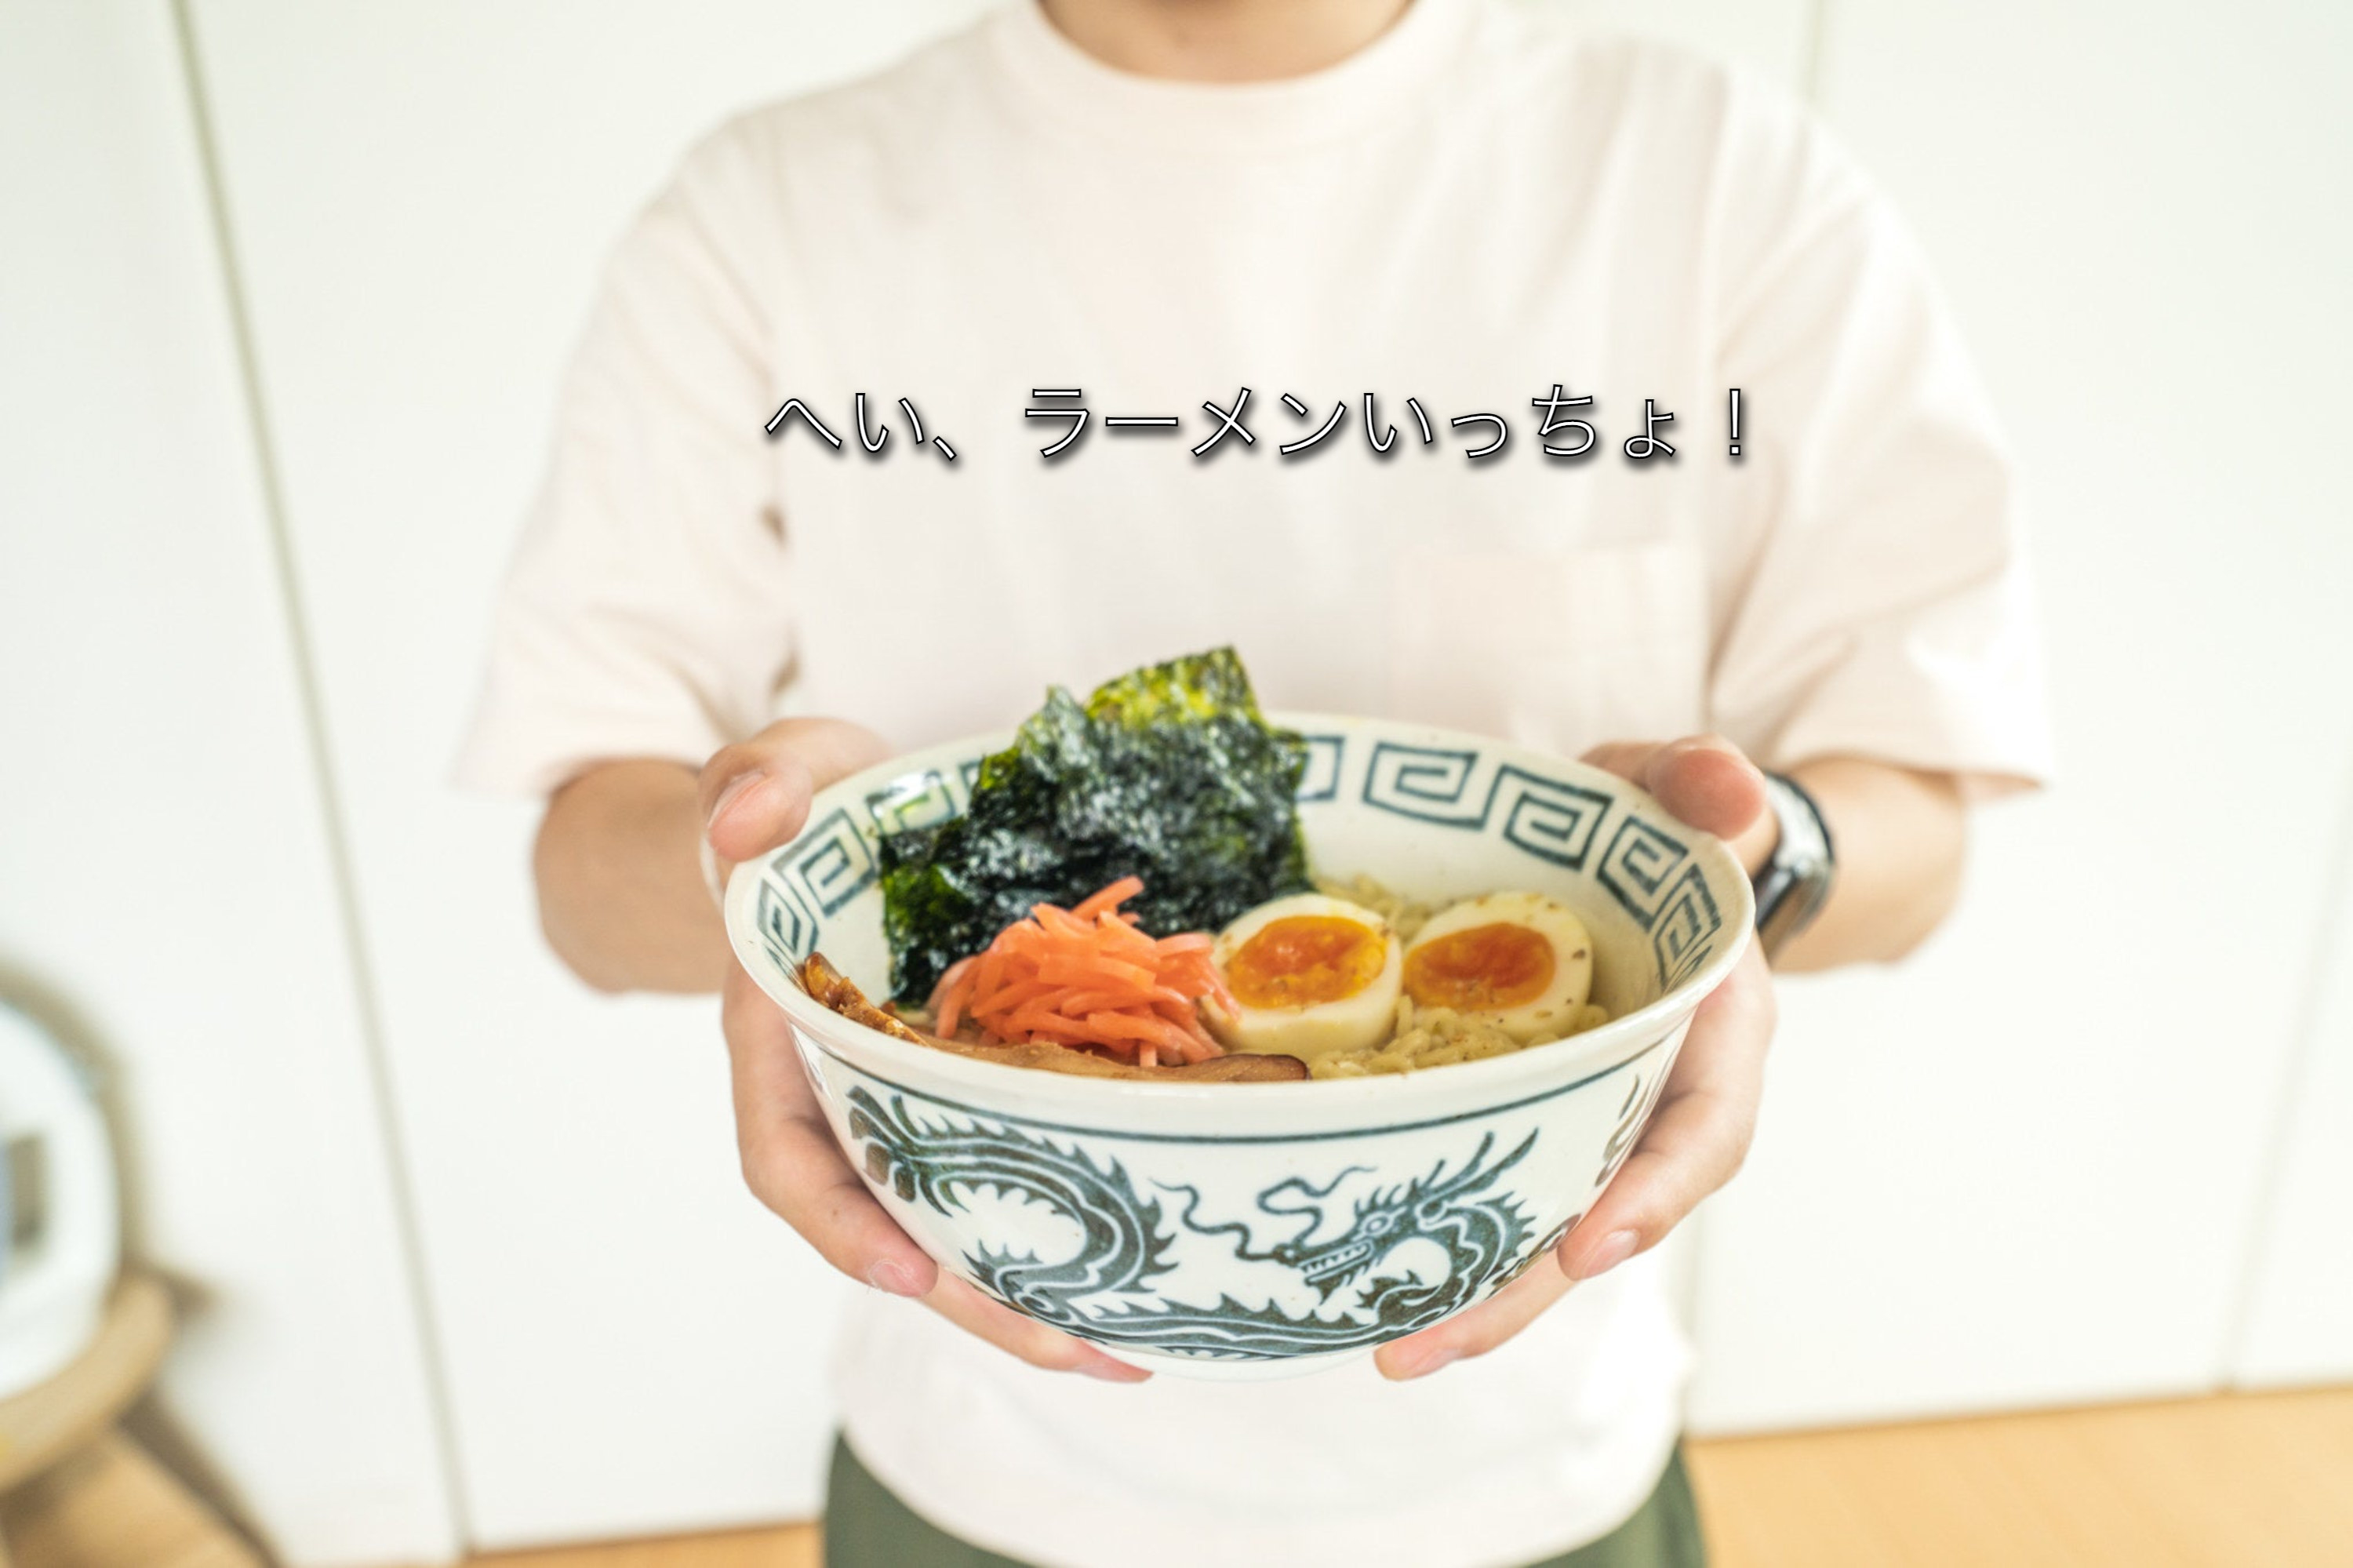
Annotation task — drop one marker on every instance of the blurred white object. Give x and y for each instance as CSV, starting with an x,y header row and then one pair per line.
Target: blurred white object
x,y
60,1240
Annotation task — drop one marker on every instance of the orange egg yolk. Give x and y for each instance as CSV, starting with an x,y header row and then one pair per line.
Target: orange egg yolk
x,y
1483,969
1302,960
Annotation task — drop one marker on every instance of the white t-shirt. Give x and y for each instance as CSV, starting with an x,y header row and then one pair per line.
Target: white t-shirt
x,y
1482,202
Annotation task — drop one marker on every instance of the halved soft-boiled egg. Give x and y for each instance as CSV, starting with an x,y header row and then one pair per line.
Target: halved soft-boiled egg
x,y
1519,960
1310,974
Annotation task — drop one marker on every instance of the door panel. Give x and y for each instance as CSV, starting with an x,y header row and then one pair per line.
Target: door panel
x,y
2026,1167
168,903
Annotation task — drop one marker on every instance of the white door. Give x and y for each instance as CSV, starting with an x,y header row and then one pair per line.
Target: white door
x,y
2299,1322
421,197
2027,1168
168,903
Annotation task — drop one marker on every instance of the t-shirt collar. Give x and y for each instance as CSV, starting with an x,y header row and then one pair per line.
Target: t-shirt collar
x,y
1057,79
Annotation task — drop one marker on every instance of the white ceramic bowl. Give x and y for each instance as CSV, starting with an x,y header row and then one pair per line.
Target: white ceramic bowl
x,y
1238,1230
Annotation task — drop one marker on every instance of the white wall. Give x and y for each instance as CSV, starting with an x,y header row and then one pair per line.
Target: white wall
x,y
2090,1144
2027,1168
2297,1319
421,197
166,895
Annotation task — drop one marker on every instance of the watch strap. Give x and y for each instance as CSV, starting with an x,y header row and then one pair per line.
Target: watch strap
x,y
1794,883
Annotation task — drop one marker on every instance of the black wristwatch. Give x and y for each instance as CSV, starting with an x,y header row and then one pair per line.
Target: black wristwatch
x,y
1792,886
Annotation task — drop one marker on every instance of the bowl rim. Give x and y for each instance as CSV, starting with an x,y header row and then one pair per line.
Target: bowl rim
x,y
1495,1078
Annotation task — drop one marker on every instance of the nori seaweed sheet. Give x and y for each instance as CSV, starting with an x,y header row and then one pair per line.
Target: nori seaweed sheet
x,y
1168,773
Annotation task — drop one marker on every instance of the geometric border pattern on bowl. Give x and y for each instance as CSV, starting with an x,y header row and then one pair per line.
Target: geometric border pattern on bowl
x,y
1649,872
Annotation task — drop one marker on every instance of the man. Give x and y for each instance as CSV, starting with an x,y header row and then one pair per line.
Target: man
x,y
1339,205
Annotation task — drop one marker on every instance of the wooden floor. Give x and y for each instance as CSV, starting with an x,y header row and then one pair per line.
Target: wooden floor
x,y
2210,1483
2214,1483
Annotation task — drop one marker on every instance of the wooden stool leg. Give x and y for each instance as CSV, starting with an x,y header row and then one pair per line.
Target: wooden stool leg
x,y
112,1504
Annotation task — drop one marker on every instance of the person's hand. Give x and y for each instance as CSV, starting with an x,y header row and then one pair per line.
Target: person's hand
x,y
1700,1132
755,797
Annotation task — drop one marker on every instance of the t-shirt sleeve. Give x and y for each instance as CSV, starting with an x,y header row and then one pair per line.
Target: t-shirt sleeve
x,y
646,612
1885,609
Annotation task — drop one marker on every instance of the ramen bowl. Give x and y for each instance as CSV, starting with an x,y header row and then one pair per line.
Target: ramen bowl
x,y
1253,1230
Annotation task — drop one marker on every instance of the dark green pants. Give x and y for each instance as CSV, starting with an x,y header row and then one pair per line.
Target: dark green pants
x,y
866,1526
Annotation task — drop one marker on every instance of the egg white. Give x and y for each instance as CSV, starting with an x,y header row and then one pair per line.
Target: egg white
x,y
1552,1013
1314,1029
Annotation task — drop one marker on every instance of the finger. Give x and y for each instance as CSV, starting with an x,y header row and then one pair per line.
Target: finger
x,y
791,1161
832,748
1480,1329
1027,1338
1708,782
1699,1135
1625,759
755,794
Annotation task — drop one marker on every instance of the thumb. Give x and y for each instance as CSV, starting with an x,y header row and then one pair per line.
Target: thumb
x,y
1708,782
755,794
